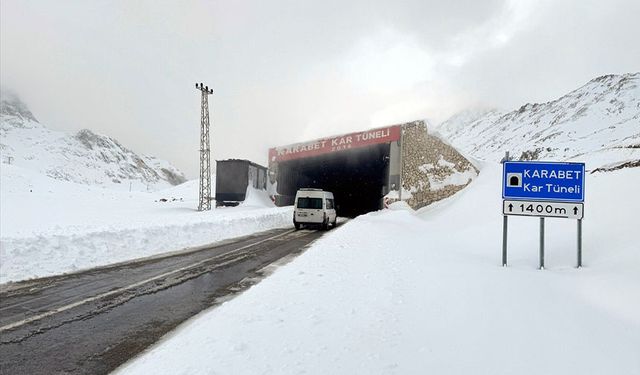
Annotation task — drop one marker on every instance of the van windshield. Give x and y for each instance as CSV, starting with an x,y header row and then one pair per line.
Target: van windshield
x,y
315,203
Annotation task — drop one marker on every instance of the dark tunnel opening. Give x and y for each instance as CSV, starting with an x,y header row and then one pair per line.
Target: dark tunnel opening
x,y
356,177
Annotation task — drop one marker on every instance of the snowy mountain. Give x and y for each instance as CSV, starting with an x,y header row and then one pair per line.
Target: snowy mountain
x,y
84,158
598,123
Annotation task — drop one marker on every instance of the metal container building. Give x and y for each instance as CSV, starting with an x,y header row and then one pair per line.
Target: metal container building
x,y
233,176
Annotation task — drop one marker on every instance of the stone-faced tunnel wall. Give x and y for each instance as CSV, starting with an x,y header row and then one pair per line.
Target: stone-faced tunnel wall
x,y
431,170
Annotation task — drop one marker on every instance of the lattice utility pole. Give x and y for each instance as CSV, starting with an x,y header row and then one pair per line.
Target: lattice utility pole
x,y
205,152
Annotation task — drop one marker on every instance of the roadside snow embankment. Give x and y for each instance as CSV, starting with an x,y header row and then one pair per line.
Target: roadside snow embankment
x,y
50,227
400,292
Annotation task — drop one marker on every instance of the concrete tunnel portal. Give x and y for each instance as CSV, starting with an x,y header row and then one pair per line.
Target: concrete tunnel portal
x,y
359,168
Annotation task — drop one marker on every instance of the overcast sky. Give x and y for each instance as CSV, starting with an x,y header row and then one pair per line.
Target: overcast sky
x,y
287,71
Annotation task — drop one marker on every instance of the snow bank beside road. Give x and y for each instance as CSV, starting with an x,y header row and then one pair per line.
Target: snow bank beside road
x,y
400,292
43,255
50,227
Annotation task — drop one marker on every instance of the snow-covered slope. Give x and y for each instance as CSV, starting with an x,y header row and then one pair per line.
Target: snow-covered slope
x,y
598,123
85,158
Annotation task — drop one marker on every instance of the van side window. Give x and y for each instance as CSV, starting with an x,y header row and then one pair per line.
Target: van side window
x,y
329,204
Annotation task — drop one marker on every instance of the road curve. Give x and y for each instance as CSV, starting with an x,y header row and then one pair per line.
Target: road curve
x,y
93,321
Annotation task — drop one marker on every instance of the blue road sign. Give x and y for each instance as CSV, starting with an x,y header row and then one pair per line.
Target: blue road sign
x,y
544,181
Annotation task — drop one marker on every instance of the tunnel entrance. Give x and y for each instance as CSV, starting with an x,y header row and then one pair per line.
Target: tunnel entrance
x,y
357,177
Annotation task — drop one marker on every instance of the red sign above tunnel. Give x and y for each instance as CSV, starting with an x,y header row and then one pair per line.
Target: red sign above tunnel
x,y
334,144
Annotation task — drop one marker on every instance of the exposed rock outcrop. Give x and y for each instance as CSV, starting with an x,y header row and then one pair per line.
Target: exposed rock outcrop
x,y
432,170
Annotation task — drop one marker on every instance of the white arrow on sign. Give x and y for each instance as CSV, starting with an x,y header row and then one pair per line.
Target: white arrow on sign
x,y
543,209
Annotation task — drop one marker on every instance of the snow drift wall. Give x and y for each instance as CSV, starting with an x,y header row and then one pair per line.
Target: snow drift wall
x,y
46,255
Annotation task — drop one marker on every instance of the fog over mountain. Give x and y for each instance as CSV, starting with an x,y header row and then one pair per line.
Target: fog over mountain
x,y
287,71
598,123
84,157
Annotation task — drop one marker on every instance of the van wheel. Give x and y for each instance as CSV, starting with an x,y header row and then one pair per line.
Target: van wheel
x,y
297,225
325,225
335,222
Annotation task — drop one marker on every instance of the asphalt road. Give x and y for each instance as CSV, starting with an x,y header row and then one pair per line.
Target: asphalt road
x,y
91,322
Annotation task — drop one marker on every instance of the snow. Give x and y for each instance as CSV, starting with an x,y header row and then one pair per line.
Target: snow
x,y
425,168
395,194
404,292
48,227
456,178
257,198
400,206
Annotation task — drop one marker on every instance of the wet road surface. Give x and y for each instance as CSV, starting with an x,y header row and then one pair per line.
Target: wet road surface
x,y
91,322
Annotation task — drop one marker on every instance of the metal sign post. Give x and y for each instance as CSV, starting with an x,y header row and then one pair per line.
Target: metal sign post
x,y
505,223
579,243
542,189
541,243
504,240
401,163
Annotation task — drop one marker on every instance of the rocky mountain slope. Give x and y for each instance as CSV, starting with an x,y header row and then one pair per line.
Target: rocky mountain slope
x,y
84,158
598,123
